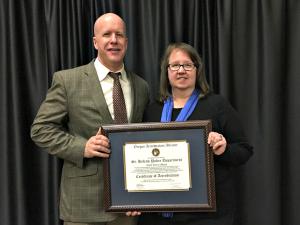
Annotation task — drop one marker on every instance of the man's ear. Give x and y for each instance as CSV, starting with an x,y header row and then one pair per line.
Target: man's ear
x,y
95,43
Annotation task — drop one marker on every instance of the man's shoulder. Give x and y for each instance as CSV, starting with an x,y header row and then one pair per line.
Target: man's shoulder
x,y
136,78
76,70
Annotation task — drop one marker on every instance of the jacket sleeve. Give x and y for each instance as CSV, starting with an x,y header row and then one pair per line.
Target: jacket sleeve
x,y
49,129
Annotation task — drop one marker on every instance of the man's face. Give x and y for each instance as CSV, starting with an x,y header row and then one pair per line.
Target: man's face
x,y
110,40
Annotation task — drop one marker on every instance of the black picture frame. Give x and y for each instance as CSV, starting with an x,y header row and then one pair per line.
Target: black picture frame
x,y
201,197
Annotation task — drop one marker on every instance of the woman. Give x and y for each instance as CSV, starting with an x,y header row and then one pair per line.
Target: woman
x,y
185,95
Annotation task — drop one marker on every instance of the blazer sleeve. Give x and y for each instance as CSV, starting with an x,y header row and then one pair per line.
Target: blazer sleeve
x,y
49,129
238,150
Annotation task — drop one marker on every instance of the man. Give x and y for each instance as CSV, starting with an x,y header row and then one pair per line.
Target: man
x,y
78,102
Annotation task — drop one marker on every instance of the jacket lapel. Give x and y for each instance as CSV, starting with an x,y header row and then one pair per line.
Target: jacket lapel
x,y
133,97
97,93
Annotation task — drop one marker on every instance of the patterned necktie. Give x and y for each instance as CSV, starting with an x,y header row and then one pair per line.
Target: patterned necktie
x,y
118,100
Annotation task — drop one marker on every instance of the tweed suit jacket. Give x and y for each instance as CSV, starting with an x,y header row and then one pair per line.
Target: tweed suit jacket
x,y
72,112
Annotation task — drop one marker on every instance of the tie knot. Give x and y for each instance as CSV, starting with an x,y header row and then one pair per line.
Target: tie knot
x,y
115,76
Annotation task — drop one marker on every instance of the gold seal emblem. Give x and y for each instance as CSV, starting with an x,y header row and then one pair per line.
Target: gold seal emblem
x,y
155,152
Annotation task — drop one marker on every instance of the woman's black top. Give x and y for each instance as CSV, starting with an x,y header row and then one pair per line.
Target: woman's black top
x,y
225,121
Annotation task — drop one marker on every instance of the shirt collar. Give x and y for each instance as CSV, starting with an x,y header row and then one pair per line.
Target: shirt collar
x,y
102,71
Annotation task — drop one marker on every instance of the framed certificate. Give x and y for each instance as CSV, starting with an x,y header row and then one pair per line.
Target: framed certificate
x,y
157,167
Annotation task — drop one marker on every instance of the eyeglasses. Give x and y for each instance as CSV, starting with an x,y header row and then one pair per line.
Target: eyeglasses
x,y
186,67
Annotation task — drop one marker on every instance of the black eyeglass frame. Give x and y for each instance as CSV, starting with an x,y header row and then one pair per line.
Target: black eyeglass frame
x,y
183,66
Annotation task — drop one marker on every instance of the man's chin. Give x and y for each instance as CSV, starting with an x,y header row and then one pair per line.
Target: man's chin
x,y
116,59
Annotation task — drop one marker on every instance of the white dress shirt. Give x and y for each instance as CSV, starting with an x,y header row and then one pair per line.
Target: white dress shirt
x,y
107,83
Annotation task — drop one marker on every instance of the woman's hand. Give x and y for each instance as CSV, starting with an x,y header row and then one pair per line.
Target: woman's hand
x,y
217,142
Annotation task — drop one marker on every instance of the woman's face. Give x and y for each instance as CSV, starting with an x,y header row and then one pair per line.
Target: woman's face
x,y
181,79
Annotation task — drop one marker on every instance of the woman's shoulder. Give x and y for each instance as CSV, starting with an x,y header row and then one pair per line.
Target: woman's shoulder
x,y
153,111
214,99
155,105
216,104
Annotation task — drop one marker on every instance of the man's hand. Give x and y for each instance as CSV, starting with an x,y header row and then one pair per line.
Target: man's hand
x,y
133,213
97,146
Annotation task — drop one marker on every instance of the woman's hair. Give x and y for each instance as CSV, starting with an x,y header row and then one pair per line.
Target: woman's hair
x,y
201,82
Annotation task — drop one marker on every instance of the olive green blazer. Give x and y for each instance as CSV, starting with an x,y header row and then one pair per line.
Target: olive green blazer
x,y
72,112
